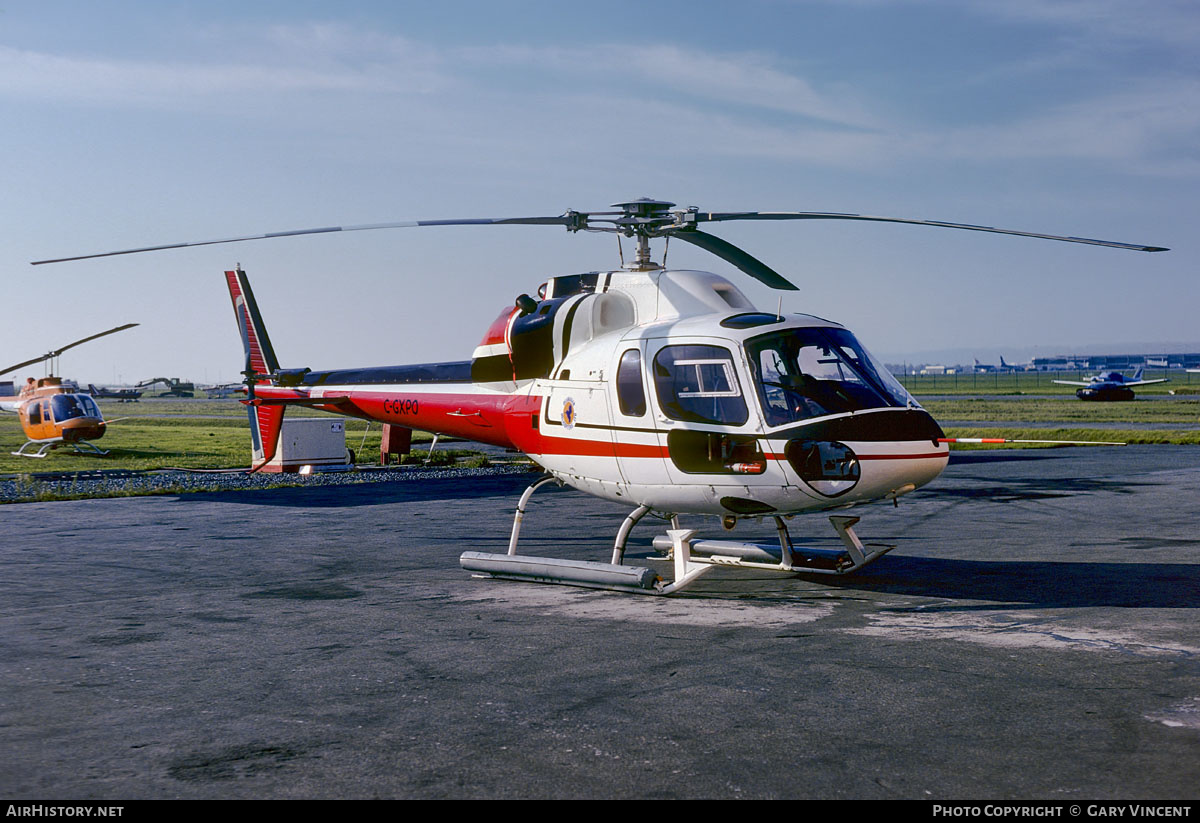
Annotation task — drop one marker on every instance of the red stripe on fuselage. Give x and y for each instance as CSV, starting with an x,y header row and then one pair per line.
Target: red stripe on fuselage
x,y
860,456
926,456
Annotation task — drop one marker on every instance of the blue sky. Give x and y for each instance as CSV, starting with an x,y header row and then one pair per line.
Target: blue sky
x,y
134,124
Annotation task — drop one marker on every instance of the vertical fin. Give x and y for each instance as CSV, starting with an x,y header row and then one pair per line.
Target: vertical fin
x,y
259,352
261,363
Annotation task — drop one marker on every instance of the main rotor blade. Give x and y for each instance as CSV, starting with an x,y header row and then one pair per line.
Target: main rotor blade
x,y
704,217
26,363
57,352
568,219
732,254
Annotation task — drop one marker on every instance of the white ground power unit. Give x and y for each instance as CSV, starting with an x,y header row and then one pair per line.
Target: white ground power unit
x,y
311,445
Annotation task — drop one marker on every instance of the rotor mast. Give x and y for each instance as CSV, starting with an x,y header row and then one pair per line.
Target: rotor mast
x,y
642,218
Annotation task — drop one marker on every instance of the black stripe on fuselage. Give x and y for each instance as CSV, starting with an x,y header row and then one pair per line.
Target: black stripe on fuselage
x,y
458,372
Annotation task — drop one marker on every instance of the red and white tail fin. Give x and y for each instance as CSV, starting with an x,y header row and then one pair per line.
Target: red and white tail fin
x,y
265,421
260,356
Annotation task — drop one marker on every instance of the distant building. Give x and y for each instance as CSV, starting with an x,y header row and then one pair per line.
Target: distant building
x,y
1116,362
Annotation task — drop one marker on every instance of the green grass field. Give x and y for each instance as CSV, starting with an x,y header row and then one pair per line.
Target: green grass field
x,y
1190,437
1066,409
206,434
192,434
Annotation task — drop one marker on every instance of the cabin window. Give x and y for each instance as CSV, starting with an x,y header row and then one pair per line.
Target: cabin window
x,y
631,395
699,384
35,414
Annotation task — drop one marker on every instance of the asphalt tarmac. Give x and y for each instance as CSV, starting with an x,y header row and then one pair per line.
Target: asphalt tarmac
x,y
1033,636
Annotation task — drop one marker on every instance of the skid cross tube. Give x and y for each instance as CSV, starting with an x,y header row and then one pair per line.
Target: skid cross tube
x,y
787,558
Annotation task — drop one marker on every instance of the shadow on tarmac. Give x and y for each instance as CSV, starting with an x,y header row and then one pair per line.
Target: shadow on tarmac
x,y
964,458
1031,584
1035,489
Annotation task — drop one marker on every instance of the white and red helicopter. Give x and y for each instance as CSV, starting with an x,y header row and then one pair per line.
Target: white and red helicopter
x,y
663,389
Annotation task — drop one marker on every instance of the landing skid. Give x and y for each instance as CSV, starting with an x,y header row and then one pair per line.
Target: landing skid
x,y
82,447
692,559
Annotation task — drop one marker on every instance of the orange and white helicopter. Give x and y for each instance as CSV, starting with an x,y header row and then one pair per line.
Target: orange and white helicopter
x,y
663,389
54,413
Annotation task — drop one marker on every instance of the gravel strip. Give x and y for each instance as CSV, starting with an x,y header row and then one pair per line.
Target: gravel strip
x,y
30,488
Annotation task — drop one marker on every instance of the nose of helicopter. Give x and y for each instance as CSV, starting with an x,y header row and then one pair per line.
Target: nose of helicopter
x,y
867,456
83,428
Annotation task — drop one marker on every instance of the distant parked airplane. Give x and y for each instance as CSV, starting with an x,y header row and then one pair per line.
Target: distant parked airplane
x,y
223,390
124,395
1015,366
1110,385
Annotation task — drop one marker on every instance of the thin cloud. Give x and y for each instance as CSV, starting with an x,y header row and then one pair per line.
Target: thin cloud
x,y
108,80
1166,22
1143,129
746,79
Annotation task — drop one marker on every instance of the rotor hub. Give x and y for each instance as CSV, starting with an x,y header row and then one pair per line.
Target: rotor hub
x,y
644,207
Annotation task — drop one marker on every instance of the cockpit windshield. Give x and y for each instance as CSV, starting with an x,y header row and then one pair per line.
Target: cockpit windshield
x,y
803,373
68,406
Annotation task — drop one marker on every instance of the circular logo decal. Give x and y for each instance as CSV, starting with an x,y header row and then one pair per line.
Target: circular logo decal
x,y
568,413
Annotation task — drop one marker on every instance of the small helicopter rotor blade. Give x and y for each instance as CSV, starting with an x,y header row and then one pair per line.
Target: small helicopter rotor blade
x,y
705,217
572,220
26,363
57,352
732,254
